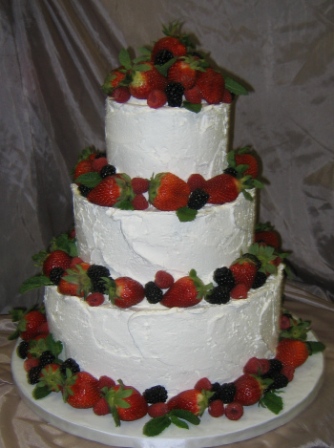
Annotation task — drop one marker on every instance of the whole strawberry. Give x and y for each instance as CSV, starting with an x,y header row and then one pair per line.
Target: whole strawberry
x,y
222,188
248,390
113,80
113,191
191,400
292,352
29,323
125,292
185,71
143,82
211,85
56,259
244,161
244,270
185,292
81,390
75,282
168,192
266,234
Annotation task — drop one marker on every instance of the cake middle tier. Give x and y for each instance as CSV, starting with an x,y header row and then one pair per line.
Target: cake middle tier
x,y
139,243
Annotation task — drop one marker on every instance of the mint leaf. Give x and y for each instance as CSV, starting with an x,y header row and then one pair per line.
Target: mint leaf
x,y
315,347
192,106
186,214
186,415
40,392
35,282
178,422
234,87
272,401
89,180
156,426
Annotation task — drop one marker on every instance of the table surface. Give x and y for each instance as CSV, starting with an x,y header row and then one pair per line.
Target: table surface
x,y
313,428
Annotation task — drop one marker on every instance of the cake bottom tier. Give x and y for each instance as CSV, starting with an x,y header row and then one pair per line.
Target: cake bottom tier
x,y
149,345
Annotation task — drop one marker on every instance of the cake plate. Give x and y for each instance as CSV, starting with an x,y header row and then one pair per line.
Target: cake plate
x,y
210,433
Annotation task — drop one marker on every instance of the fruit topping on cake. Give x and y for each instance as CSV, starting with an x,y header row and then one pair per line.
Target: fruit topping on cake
x,y
168,192
124,291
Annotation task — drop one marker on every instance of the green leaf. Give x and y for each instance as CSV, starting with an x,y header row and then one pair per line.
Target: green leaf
x,y
35,282
40,392
124,58
192,107
90,180
156,426
186,214
234,87
163,69
186,415
124,205
178,422
272,401
65,243
315,347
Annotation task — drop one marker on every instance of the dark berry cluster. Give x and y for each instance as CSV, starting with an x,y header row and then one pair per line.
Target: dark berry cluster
x,y
70,364
97,274
198,198
155,394
153,293
218,295
174,92
224,277
224,392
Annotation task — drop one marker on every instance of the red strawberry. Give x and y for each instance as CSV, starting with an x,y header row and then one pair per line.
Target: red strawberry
x,y
98,163
139,202
250,163
105,381
113,80
168,192
75,261
95,299
157,409
292,352
125,292
239,291
156,99
140,185
43,329
248,390
211,85
216,408
163,279
222,188
121,94
82,167
196,181
171,44
186,291
56,259
256,366
227,97
111,191
234,411
244,270
81,391
193,95
29,324
266,234
143,82
203,384
184,71
191,400
101,407
125,403
75,282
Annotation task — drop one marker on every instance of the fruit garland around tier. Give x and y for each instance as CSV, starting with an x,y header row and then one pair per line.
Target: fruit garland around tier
x,y
100,183
172,73
61,266
260,382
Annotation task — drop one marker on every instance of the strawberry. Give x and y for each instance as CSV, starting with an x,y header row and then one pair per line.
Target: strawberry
x,y
292,352
250,164
157,409
196,181
211,85
234,411
227,97
140,185
98,163
203,384
29,323
193,95
125,292
186,291
171,44
266,234
191,400
113,80
112,191
163,279
185,71
216,408
80,390
143,82
125,403
82,167
222,188
56,259
239,291
248,390
288,372
168,192
121,94
156,99
244,270
75,282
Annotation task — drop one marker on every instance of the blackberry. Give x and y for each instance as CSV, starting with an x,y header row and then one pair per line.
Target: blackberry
x,y
56,275
198,198
224,392
155,394
162,57
107,170
259,280
96,273
231,171
34,374
71,364
22,349
46,358
153,293
279,381
218,295
84,191
275,366
174,92
224,277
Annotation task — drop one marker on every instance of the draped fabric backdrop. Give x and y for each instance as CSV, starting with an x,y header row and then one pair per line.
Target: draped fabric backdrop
x,y
54,57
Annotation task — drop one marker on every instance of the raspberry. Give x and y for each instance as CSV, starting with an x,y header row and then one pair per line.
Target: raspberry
x,y
198,198
256,366
121,94
105,381
107,170
140,202
193,95
163,279
95,299
289,372
155,394
218,295
284,322
99,163
195,181
156,99
224,277
101,407
157,409
140,185
216,408
29,363
203,384
239,292
227,97
234,411
153,293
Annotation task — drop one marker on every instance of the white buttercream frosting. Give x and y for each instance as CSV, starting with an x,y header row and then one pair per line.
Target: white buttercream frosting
x,y
140,243
142,141
148,344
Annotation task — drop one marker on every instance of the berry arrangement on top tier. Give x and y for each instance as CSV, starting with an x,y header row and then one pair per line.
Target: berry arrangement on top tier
x,y
258,383
173,72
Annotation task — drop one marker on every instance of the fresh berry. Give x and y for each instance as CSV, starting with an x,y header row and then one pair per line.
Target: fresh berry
x,y
101,407
22,349
222,188
97,274
231,171
244,270
292,352
227,97
186,291
218,295
196,181
84,190
284,322
121,94
184,71
203,384
191,400
197,199
240,291
156,99
234,411
249,163
71,365
174,92
163,279
288,372
193,95
157,409
107,170
56,259
259,280
82,167
125,292
95,299
224,392
105,381
29,363
98,163
75,282
47,357
125,403
211,85
275,366
80,390
156,394
56,275
113,80
29,323
216,408
153,293
139,202
143,82
173,42
162,56
34,374
257,366
111,191
140,185
266,234
224,277
248,390
168,192
279,380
